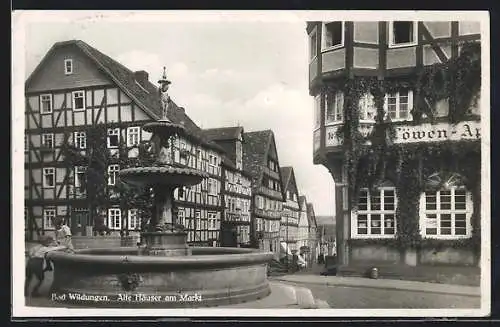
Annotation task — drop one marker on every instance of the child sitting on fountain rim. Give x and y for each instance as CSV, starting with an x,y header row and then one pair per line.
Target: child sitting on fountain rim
x,y
38,264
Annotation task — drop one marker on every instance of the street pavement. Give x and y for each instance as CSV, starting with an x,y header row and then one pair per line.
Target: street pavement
x,y
364,293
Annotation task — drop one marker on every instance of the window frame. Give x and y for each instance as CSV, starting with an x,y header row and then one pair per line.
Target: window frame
x,y
44,173
133,131
73,97
77,136
409,116
324,48
43,140
113,171
76,171
181,217
393,45
364,101
111,223
369,212
317,112
313,54
337,97
113,132
66,61
51,101
46,218
133,215
468,211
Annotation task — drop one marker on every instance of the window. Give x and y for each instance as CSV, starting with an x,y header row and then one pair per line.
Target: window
x,y
134,222
181,219
313,45
46,103
376,213
78,100
114,218
402,33
333,35
26,143
80,140
334,107
49,177
68,66
212,220
133,136
367,110
212,187
113,137
180,193
48,218
112,172
48,140
398,105
317,111
446,213
79,175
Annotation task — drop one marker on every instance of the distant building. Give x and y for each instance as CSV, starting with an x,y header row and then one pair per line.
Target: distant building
x,y
289,229
313,239
236,187
327,234
260,160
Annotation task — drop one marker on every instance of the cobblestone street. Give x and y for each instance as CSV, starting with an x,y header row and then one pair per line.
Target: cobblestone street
x,y
342,297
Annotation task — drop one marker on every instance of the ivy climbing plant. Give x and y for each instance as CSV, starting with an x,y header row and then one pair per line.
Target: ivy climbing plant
x,y
374,158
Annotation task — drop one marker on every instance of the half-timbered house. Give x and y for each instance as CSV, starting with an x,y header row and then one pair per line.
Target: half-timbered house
x,y
236,187
260,160
289,227
75,86
397,124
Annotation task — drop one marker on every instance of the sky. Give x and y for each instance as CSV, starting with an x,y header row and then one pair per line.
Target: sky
x,y
247,72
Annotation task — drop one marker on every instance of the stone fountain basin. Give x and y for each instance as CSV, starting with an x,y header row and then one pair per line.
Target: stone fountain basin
x,y
209,277
162,175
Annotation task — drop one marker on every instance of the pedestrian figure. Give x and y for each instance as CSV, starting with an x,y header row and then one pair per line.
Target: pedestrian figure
x,y
37,263
63,234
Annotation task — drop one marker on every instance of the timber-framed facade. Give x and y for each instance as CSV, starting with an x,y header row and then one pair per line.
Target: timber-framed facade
x,y
76,86
397,123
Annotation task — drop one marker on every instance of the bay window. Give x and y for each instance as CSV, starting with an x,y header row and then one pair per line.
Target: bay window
x,y
313,45
333,35
317,111
334,107
376,214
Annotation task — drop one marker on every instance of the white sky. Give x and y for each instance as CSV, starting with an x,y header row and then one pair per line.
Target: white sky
x,y
251,73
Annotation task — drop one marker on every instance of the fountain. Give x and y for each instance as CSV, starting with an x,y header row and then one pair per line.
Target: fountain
x,y
164,271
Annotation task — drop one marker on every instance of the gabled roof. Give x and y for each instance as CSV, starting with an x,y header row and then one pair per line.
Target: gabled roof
x,y
223,133
286,175
310,215
302,202
255,151
145,95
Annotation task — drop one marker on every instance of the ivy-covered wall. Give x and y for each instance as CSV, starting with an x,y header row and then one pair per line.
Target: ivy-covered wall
x,y
374,158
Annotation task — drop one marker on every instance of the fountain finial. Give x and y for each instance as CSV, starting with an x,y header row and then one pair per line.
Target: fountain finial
x,y
163,90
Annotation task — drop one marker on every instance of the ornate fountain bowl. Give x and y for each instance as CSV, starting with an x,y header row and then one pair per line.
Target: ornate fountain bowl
x,y
162,175
164,128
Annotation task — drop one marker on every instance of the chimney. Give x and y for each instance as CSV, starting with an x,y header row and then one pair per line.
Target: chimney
x,y
141,76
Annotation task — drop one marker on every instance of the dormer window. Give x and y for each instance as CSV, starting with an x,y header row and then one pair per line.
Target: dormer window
x,y
333,35
68,66
402,33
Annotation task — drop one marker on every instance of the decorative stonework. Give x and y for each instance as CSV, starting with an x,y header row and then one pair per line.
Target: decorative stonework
x,y
129,282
